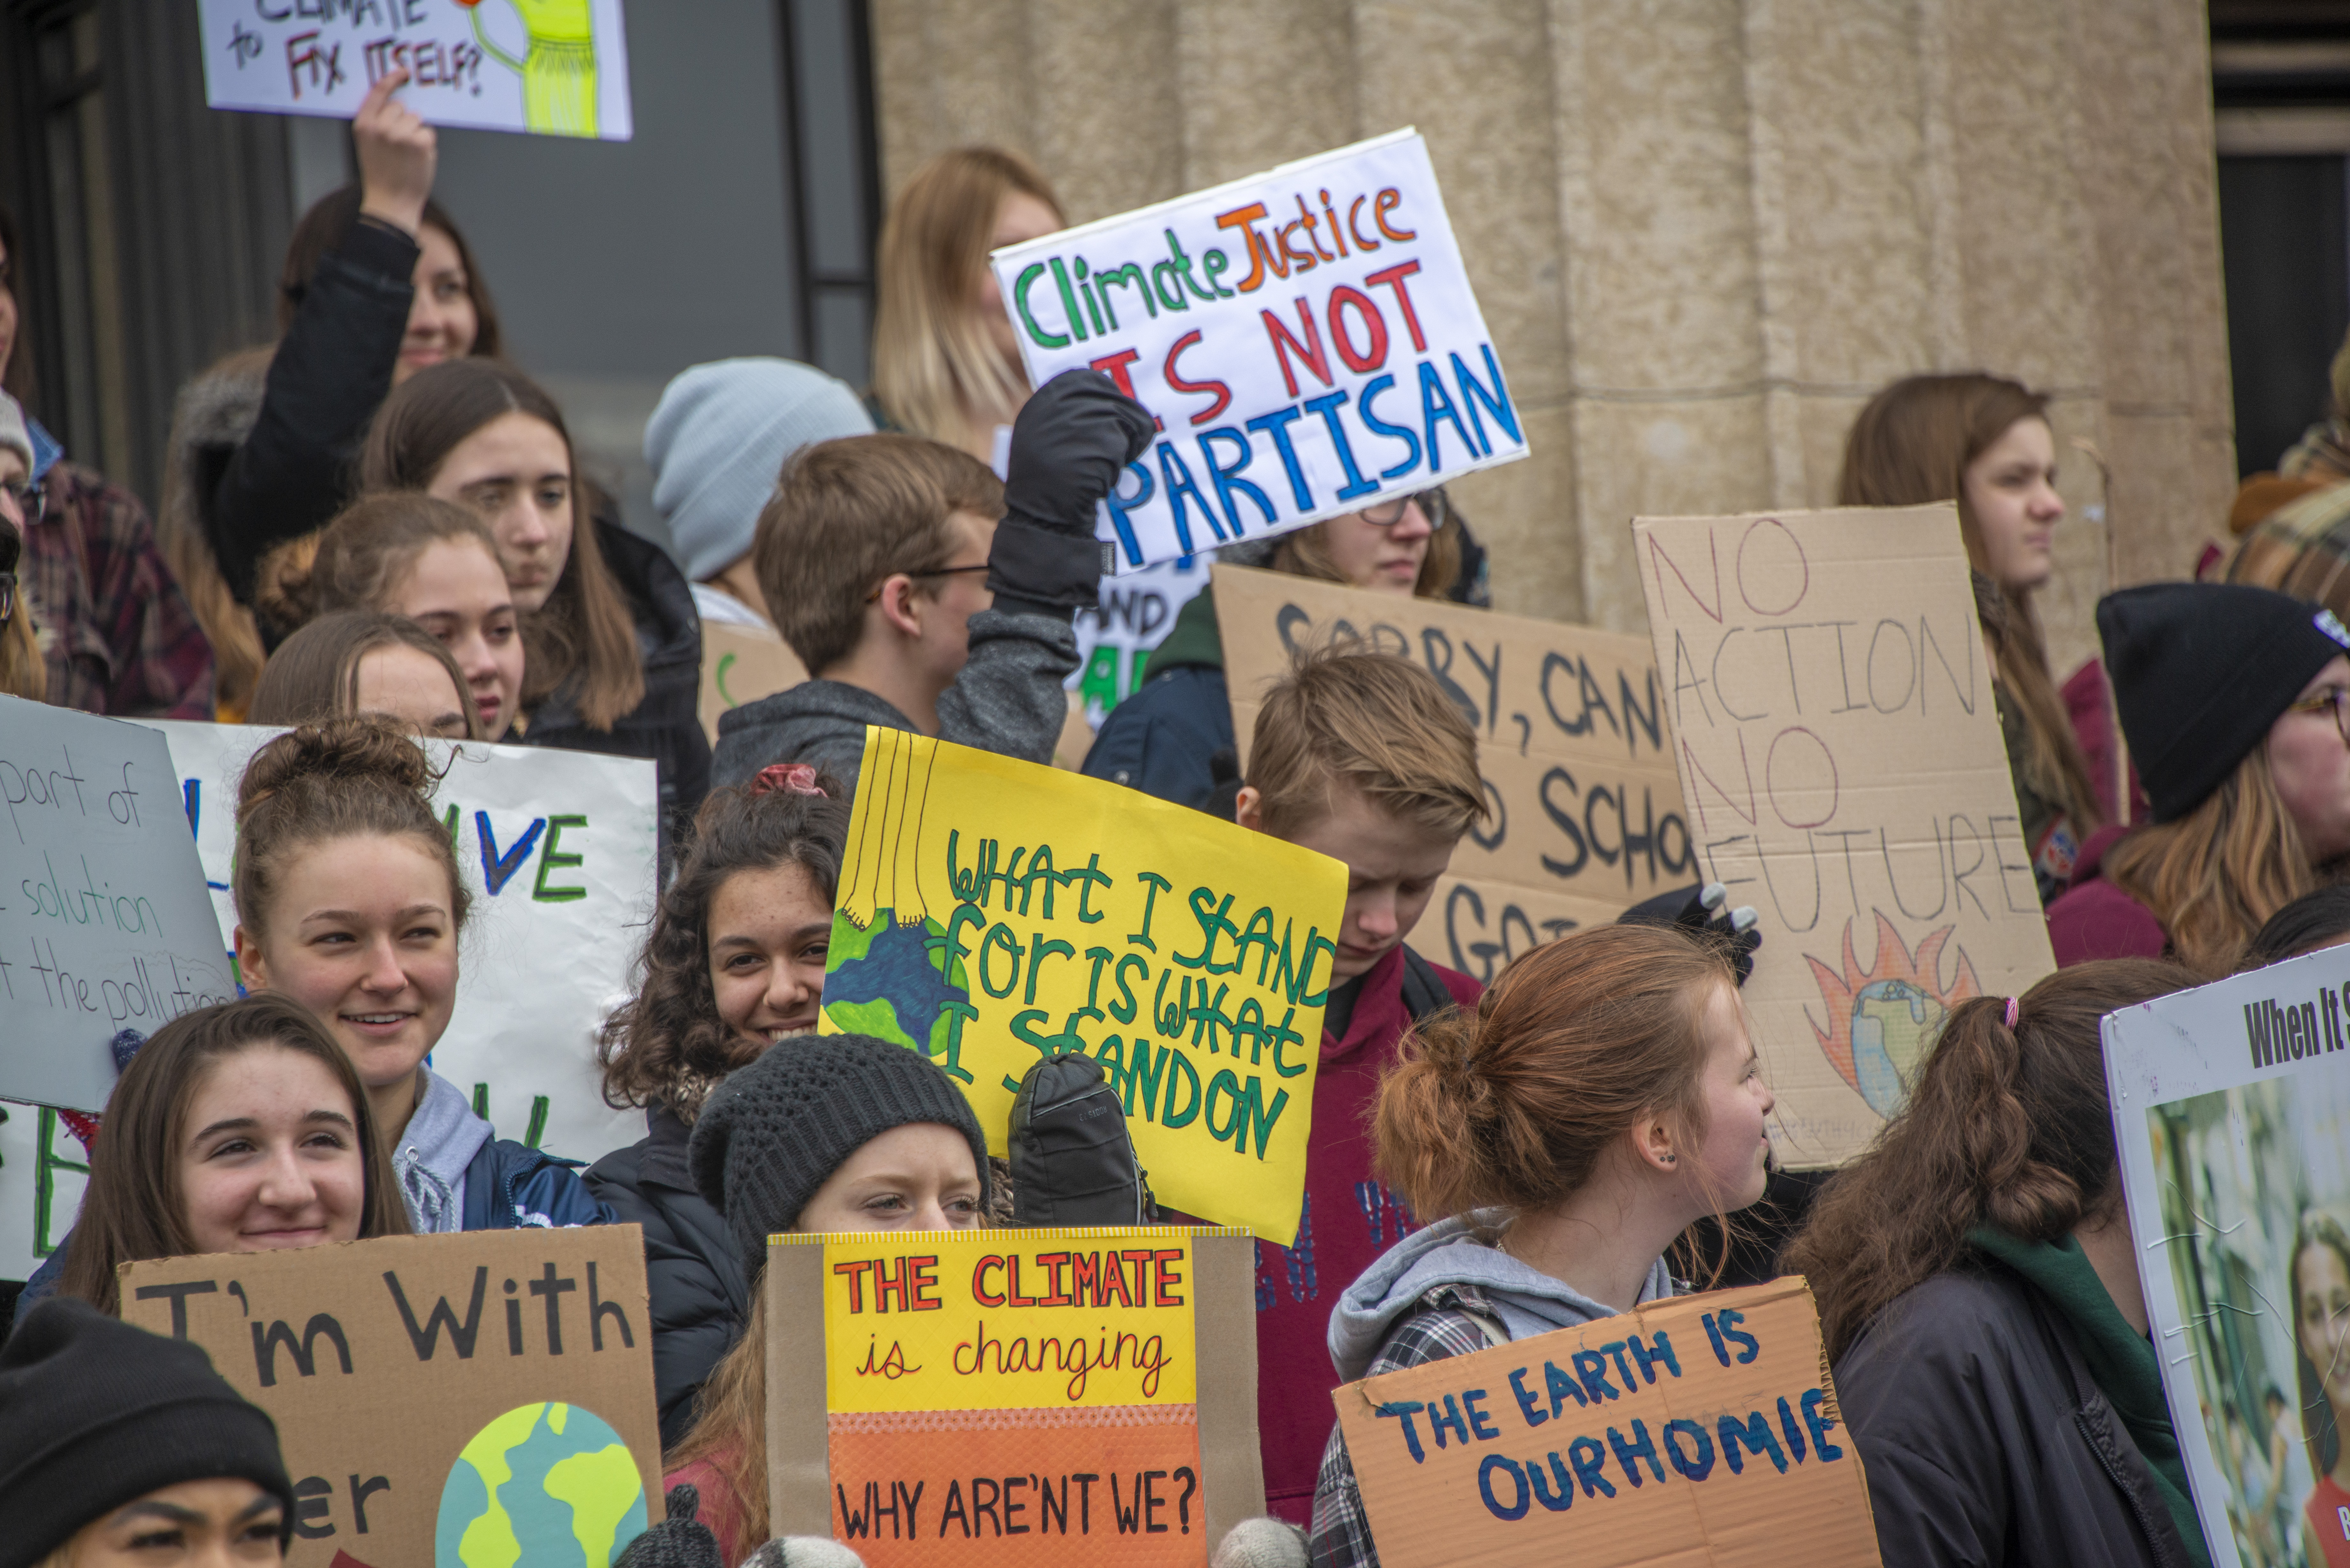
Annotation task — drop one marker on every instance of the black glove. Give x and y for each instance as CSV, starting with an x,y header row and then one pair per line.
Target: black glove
x,y
1072,439
1705,912
680,1540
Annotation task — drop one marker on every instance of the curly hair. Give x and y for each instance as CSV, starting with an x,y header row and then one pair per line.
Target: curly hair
x,y
667,1043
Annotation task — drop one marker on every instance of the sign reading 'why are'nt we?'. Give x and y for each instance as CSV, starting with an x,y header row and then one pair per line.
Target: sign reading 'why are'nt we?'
x,y
1306,339
976,1386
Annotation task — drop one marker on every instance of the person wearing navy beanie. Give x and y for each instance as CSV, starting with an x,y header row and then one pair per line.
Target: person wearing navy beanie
x,y
2235,703
120,1446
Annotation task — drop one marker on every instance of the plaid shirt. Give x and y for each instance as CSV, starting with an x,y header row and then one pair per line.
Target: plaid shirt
x,y
116,632
1440,1326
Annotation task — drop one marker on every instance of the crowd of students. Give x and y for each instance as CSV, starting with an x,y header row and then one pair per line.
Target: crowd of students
x,y
375,529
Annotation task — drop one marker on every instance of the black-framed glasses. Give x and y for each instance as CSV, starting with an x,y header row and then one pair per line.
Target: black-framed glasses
x,y
27,495
1388,514
874,592
2337,699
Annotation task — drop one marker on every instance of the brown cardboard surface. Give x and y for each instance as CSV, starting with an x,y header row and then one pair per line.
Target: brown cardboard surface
x,y
1573,742
1611,1444
1216,1428
1841,759
741,664
373,1436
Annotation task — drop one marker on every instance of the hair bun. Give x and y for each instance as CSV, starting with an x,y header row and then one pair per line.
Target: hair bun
x,y
285,585
352,747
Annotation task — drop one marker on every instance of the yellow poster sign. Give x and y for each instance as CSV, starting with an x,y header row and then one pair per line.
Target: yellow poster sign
x,y
993,912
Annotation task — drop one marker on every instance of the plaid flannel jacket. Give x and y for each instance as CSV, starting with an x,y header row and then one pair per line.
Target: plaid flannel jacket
x,y
118,634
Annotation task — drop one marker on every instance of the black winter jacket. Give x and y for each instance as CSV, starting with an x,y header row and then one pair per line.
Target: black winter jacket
x,y
698,1297
1986,1441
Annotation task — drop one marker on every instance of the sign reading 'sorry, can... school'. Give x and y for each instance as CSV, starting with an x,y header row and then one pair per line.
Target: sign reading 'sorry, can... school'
x,y
1305,338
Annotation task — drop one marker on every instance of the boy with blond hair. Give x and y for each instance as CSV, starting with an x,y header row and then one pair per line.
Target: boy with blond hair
x,y
885,566
1360,756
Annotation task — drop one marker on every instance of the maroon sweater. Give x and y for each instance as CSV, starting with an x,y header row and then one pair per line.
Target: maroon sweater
x,y
2094,920
1348,1221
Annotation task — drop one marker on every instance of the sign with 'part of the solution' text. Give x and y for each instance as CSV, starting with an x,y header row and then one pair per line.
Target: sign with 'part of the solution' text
x,y
1306,339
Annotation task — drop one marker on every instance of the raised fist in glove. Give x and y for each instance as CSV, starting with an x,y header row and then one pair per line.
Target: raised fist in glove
x,y
1068,445
1708,912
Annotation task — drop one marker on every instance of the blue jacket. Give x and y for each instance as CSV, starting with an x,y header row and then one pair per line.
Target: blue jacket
x,y
508,1186
1163,739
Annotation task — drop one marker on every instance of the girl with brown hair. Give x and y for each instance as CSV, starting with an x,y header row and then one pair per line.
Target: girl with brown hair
x,y
2320,1315
429,562
615,647
946,359
1603,1098
360,662
378,284
1985,442
2236,704
1980,1296
734,964
235,1128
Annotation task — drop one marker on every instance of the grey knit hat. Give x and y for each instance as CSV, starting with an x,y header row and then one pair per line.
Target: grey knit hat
x,y
717,443
775,1131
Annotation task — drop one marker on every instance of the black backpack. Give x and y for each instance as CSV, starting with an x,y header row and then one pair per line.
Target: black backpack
x,y
1072,1158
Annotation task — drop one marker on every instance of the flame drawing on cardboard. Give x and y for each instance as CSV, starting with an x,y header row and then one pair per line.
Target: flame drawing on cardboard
x,y
550,1485
1882,1020
993,911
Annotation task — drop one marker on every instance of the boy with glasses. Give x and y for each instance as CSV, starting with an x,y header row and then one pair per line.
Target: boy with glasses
x,y
885,566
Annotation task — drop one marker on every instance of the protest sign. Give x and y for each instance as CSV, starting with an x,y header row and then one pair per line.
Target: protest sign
x,y
1842,772
1056,1391
1298,366
992,911
420,1422
2232,1110
741,664
1700,1430
103,922
554,67
1115,638
1572,740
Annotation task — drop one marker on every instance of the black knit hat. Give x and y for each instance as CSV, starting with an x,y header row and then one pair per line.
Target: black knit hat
x,y
2200,671
95,1413
775,1131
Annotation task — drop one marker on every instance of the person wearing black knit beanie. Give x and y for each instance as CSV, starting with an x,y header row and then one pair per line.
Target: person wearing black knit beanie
x,y
826,1132
2235,701
110,1434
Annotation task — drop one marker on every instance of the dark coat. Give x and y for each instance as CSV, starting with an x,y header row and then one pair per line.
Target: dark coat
x,y
1987,1442
1163,739
510,1186
667,725
694,1279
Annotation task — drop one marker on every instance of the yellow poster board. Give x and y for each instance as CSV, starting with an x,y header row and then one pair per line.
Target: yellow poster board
x,y
992,912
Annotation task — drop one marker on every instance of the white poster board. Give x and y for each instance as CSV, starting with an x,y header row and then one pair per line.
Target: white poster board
x,y
557,849
1307,338
1116,639
2231,1109
551,68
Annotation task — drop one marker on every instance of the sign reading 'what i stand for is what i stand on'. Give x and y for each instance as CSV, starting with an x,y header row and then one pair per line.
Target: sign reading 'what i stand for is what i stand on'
x,y
1305,338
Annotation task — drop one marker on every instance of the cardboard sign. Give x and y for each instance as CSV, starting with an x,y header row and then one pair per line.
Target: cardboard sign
x,y
741,664
1134,616
477,1397
2231,1110
103,922
1843,772
1572,739
1307,338
1702,1430
993,911
978,1385
553,68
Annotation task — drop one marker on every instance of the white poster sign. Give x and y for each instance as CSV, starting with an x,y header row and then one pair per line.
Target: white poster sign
x,y
1115,639
552,68
1305,338
557,849
2231,1107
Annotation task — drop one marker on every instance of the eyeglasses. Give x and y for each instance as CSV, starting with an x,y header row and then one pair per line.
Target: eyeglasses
x,y
2333,698
27,495
1388,514
874,592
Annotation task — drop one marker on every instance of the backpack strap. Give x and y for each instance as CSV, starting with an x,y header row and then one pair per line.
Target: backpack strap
x,y
1424,991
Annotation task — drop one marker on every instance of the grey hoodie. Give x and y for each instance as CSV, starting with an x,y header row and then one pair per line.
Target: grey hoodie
x,y
1008,700
1448,1253
440,1141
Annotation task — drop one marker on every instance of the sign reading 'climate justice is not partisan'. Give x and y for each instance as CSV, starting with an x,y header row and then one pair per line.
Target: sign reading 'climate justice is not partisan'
x,y
1306,339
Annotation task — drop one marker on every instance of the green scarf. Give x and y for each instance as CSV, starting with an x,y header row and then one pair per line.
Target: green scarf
x,y
2122,1361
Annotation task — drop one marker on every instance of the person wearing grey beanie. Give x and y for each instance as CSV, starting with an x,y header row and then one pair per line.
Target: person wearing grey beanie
x,y
822,1133
716,442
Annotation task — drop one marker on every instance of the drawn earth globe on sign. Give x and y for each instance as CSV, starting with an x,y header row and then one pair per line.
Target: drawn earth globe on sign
x,y
1882,1020
539,1487
886,979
